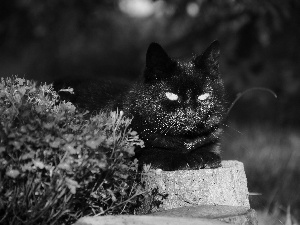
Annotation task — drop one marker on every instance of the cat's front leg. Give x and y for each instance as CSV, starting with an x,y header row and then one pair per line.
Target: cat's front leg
x,y
205,157
167,143
198,160
182,145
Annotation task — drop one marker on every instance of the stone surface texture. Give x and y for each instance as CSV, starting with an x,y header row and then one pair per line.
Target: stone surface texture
x,y
145,220
226,185
230,214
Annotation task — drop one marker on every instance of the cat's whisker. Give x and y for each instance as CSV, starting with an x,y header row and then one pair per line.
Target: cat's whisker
x,y
164,130
232,128
167,129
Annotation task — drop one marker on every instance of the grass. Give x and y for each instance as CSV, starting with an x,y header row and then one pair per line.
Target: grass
x,y
278,216
271,158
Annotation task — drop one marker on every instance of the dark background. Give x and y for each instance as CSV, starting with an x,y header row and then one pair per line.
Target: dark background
x,y
51,40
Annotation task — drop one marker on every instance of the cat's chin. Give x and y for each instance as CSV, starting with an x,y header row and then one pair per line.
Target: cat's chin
x,y
191,134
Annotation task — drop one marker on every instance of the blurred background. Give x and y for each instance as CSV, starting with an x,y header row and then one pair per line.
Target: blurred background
x,y
260,47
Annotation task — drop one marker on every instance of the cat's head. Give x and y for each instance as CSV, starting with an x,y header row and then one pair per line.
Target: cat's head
x,y
181,97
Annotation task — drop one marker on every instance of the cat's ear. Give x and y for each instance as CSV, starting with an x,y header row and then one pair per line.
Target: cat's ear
x,y
156,57
210,58
158,63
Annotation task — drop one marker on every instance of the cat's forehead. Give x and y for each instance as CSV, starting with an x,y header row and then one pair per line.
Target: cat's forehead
x,y
187,68
186,71
186,78
185,65
184,81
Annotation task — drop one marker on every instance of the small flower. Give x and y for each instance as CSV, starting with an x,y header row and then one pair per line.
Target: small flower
x,y
55,143
64,166
39,164
70,149
13,173
72,185
48,126
158,171
133,133
2,149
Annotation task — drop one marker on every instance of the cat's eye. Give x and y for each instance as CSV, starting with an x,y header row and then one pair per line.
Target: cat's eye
x,y
171,96
203,96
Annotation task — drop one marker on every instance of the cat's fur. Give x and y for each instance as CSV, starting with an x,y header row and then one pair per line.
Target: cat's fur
x,y
180,131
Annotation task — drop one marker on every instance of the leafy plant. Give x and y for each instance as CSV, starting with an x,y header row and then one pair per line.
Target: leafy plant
x,y
56,165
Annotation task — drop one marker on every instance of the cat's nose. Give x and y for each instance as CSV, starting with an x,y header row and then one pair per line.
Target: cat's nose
x,y
189,111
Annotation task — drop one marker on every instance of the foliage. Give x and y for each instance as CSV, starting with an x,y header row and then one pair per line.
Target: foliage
x,y
277,216
56,165
271,159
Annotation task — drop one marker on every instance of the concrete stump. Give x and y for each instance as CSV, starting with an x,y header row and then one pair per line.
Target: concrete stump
x,y
226,185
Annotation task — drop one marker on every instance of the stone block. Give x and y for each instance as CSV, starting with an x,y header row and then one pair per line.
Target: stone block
x,y
226,185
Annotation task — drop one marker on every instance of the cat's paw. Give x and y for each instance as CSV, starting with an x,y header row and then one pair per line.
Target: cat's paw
x,y
207,160
212,165
182,166
211,160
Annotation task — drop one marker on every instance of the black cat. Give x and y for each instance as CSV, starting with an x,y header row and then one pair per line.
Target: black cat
x,y
177,109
